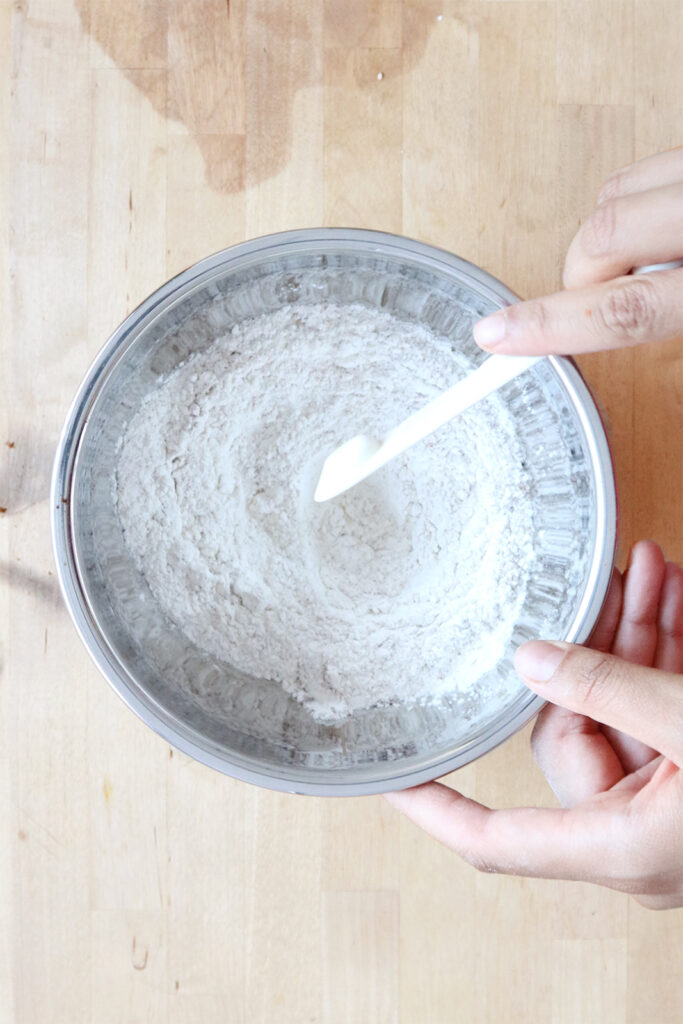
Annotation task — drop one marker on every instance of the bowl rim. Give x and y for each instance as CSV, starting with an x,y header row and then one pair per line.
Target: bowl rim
x,y
198,275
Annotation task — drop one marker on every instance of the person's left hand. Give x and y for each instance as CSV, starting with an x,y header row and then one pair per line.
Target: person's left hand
x,y
622,825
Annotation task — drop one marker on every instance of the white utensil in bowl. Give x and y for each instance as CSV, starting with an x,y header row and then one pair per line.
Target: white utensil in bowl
x,y
362,455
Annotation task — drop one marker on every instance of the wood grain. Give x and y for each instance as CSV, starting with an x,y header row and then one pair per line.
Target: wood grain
x,y
127,202
47,713
135,138
345,824
206,82
126,35
441,163
517,150
597,69
284,147
205,203
363,138
601,964
7,814
361,956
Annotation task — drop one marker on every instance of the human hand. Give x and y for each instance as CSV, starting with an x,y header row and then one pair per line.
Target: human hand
x,y
610,745
638,221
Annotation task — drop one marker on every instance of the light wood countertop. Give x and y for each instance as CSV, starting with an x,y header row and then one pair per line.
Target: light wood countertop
x,y
135,138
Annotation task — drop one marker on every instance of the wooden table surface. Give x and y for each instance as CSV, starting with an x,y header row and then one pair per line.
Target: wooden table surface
x,y
137,136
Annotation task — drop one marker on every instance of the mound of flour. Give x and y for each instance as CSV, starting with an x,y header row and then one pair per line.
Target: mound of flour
x,y
402,589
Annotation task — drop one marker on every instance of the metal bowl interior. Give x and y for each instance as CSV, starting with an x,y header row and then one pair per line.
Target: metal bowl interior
x,y
249,728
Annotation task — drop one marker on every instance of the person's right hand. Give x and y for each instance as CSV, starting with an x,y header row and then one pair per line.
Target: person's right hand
x,y
638,221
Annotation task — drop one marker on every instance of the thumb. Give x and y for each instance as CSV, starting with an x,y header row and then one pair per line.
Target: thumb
x,y
643,702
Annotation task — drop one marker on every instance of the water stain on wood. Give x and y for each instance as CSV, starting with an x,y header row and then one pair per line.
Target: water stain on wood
x,y
233,70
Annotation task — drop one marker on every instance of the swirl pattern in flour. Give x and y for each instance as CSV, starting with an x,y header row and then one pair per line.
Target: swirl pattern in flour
x,y
402,589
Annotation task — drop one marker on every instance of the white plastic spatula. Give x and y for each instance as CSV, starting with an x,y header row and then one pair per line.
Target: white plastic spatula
x,y
362,455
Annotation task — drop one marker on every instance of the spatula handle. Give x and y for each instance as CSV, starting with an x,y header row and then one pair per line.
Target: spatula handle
x,y
493,373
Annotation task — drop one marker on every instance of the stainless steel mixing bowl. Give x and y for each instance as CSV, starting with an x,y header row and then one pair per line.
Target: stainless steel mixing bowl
x,y
250,728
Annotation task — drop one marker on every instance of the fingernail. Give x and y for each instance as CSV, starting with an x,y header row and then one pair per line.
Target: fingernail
x,y
490,331
537,661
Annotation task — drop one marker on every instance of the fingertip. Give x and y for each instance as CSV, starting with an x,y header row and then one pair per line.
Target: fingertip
x,y
399,798
645,558
513,330
524,328
489,333
441,811
537,661
403,799
647,549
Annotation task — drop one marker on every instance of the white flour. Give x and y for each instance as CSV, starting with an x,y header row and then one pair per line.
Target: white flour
x,y
400,590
